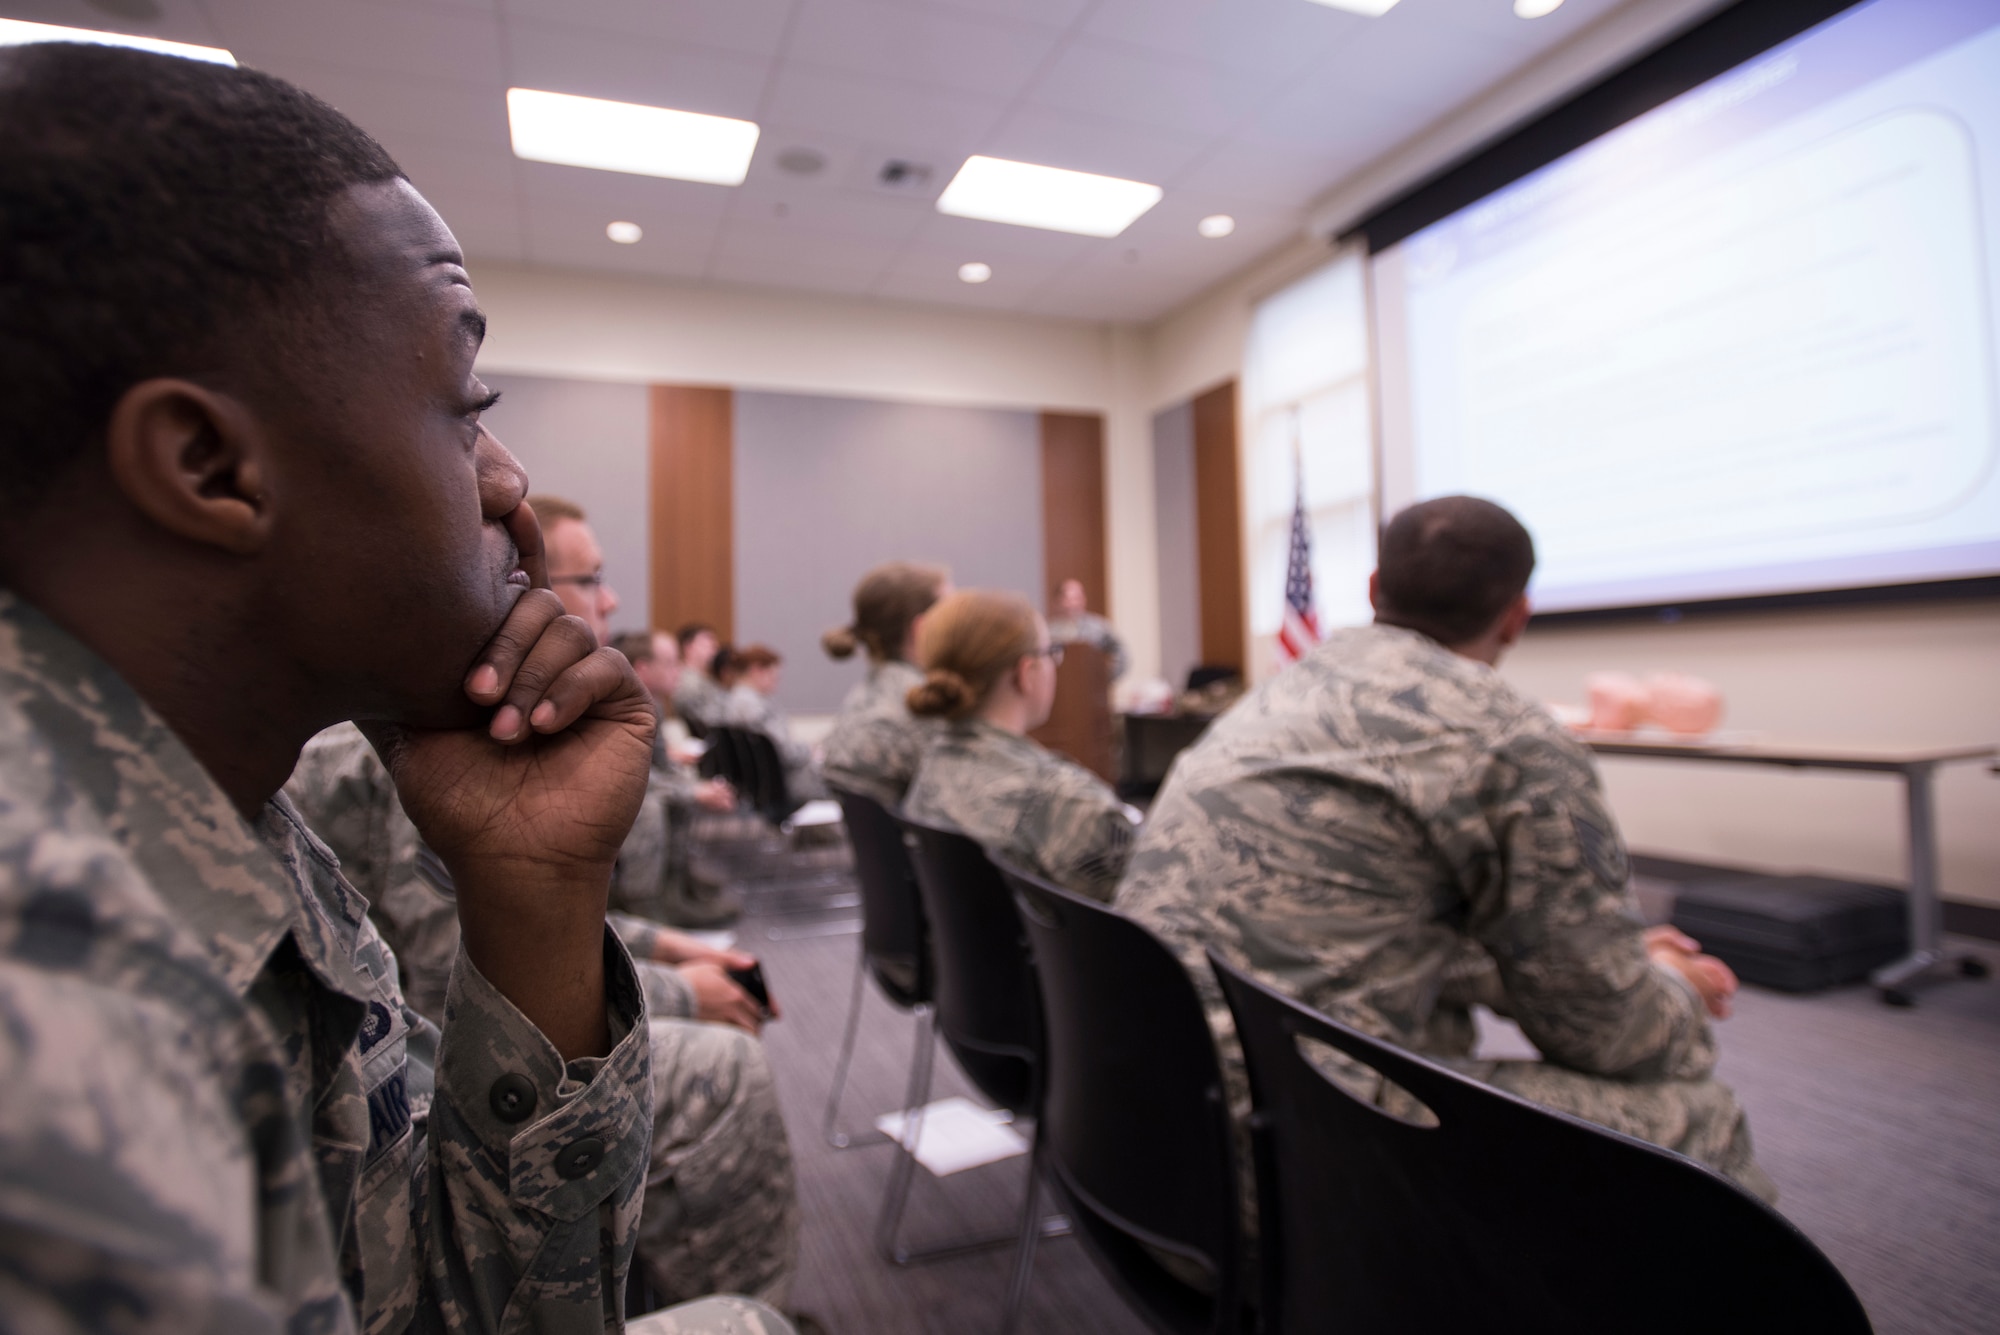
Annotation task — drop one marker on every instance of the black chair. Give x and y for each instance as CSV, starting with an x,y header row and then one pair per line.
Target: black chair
x,y
1505,1216
1135,1128
988,1009
894,949
768,791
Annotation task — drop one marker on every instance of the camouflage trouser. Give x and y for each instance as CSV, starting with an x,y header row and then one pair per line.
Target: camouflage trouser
x,y
713,1316
1698,1118
721,1212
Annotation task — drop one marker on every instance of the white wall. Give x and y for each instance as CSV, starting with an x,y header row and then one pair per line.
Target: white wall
x,y
1893,675
564,324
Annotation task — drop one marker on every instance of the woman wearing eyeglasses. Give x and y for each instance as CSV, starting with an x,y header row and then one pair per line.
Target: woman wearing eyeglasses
x,y
990,670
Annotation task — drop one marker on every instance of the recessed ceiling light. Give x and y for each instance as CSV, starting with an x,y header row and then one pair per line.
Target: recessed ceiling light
x,y
627,137
1373,9
624,233
18,32
1030,196
974,272
1216,225
1534,9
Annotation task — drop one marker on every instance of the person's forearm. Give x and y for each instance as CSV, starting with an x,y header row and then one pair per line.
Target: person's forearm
x,y
538,938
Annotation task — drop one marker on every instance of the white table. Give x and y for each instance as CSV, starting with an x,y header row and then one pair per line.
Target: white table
x,y
1917,765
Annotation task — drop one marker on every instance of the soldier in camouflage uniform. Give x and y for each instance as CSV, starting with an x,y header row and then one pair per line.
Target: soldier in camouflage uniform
x,y
234,340
750,676
721,1211
1075,623
991,671
1387,831
698,697
875,743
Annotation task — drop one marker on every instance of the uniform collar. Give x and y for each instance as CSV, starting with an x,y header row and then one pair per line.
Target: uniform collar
x,y
216,879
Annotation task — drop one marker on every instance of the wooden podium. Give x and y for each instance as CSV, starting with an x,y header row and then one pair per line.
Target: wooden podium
x,y
1080,724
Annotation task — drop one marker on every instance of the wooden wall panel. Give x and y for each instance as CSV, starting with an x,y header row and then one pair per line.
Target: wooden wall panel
x,y
693,528
1218,516
1073,535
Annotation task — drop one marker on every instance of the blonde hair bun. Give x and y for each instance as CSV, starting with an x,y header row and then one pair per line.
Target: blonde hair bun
x,y
840,642
944,694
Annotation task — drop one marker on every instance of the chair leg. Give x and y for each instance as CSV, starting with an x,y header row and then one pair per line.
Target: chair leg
x,y
904,1173
1031,1232
839,1139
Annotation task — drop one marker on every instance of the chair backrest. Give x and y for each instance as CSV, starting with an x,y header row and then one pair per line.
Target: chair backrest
x,y
1135,1124
988,1005
769,792
1503,1216
893,936
724,759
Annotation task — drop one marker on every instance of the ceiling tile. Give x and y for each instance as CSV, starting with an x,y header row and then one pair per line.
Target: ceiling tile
x,y
1172,93
947,49
621,194
1271,39
1247,169
571,237
1054,13
393,107
892,113
793,273
411,40
1091,144
747,27
830,211
179,20
487,225
626,69
782,246
434,164
973,239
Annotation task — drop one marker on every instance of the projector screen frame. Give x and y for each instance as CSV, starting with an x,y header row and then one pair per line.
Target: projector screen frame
x,y
1710,48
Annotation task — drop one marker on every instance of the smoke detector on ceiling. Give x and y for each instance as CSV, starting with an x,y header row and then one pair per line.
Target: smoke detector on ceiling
x,y
802,161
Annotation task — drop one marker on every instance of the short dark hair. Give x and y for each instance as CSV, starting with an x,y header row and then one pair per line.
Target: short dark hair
x,y
1449,567
636,645
686,634
150,208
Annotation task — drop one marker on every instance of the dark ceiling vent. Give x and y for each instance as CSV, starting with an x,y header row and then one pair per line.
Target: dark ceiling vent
x,y
900,174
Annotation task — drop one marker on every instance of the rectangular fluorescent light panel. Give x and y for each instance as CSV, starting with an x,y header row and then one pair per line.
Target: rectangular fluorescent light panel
x,y
1373,9
628,137
1030,196
19,32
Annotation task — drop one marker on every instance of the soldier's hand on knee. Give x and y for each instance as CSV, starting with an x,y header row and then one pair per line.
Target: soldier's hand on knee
x,y
719,1000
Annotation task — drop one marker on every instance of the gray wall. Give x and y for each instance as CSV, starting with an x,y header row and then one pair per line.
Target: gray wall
x,y
1180,579
586,440
828,487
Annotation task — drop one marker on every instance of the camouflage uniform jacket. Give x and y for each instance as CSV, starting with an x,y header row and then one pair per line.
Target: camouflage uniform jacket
x,y
1095,631
1025,804
698,698
343,791
1359,823
876,742
216,1111
747,707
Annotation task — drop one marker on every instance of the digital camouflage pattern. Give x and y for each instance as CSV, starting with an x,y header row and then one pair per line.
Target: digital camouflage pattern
x,y
747,707
721,1212
1388,831
876,743
216,1110
1095,631
698,698
1025,804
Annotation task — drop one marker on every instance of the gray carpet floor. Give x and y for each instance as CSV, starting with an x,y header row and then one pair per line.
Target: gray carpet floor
x,y
1881,1127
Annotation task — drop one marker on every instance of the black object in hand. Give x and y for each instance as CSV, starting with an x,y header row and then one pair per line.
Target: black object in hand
x,y
751,980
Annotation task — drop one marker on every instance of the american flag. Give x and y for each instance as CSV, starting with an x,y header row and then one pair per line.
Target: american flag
x,y
1300,630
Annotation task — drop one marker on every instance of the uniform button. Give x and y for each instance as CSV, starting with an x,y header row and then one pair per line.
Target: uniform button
x,y
512,1098
580,1157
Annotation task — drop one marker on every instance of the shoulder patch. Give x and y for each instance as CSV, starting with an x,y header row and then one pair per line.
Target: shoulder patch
x,y
1601,851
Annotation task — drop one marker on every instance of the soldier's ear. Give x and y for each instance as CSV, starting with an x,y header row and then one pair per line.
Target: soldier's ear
x,y
1375,589
1514,622
193,461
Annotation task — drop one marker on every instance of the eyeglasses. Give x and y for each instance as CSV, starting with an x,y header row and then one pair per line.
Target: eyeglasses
x,y
594,580
1054,653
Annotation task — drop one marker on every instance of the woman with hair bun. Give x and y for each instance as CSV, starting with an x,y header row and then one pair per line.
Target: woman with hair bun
x,y
990,671
875,743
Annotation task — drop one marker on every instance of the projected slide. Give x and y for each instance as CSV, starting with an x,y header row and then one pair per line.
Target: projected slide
x,y
1742,345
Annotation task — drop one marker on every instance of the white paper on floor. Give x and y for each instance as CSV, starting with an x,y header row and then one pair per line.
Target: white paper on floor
x,y
956,1134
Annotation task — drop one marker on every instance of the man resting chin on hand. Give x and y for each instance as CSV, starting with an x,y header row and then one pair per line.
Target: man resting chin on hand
x,y
248,495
